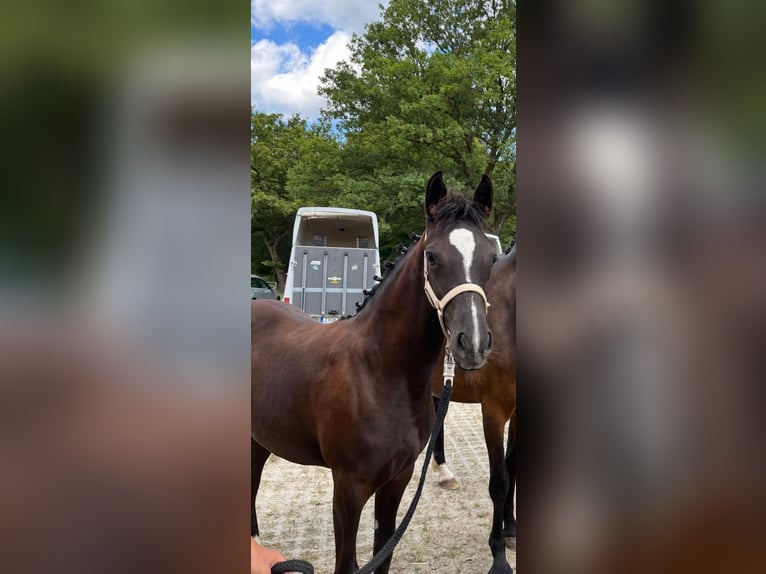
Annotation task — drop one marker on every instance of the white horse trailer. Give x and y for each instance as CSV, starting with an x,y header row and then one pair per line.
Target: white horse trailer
x,y
334,258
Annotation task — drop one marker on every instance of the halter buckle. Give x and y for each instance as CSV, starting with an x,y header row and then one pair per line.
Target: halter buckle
x,y
449,366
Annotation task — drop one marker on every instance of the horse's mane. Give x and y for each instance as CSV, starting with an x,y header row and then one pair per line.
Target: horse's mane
x,y
388,269
458,208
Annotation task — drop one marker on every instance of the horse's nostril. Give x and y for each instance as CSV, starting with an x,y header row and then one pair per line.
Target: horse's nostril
x,y
489,340
461,341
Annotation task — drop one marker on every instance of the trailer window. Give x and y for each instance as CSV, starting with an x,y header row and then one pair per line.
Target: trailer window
x,y
336,231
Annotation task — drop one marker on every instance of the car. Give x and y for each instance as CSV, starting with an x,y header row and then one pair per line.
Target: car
x,y
259,289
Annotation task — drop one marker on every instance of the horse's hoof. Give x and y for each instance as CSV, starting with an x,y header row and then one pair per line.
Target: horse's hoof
x,y
449,484
501,569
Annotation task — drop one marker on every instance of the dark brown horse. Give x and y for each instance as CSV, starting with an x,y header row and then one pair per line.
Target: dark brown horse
x,y
494,386
355,395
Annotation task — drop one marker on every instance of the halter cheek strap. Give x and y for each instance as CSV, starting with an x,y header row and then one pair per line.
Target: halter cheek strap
x,y
441,304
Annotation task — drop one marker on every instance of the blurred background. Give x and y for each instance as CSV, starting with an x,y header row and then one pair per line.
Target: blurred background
x,y
124,248
641,320
124,255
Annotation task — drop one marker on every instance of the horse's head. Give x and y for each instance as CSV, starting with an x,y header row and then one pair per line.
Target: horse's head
x,y
457,262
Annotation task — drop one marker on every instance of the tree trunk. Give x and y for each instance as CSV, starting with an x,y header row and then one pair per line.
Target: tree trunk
x,y
497,225
278,269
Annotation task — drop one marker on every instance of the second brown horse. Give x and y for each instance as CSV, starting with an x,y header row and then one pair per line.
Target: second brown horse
x,y
494,386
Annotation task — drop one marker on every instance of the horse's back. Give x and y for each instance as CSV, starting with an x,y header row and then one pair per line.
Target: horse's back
x,y
501,291
264,312
502,277
276,327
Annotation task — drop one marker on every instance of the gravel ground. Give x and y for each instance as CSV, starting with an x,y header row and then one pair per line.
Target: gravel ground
x,y
447,535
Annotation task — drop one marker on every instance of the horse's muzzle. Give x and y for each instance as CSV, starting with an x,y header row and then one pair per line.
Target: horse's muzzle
x,y
471,352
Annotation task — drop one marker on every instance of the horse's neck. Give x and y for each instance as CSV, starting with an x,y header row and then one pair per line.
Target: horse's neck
x,y
405,323
501,291
500,288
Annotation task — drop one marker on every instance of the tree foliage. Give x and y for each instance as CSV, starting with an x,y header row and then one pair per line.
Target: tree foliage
x,y
430,86
276,147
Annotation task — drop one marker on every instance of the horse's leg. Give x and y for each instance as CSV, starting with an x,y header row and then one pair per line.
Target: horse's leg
x,y
349,497
446,479
439,457
258,456
387,501
494,427
510,464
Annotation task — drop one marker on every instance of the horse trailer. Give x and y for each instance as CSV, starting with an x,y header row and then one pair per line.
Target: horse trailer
x,y
495,241
333,259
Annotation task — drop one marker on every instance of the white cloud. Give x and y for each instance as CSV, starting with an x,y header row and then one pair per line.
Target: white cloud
x,y
284,80
347,15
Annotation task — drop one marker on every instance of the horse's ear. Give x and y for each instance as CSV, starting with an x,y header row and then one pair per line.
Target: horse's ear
x,y
435,192
484,195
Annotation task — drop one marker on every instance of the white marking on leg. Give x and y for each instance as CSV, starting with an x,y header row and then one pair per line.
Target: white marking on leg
x,y
444,472
462,239
444,477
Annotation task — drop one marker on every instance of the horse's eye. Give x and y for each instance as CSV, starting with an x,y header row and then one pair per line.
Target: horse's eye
x,y
494,259
431,258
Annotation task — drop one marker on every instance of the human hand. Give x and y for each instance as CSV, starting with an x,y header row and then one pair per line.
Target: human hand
x,y
262,558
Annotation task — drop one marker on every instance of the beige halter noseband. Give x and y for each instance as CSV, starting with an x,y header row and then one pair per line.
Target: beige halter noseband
x,y
441,304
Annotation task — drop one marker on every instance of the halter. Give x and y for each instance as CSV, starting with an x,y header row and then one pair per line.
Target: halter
x,y
441,304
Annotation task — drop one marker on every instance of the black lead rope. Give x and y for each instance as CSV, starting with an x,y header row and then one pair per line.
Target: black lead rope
x,y
292,566
305,568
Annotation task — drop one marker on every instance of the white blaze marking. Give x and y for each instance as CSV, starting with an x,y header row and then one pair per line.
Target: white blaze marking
x,y
462,239
475,317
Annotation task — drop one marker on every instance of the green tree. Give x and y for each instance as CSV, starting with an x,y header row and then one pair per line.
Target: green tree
x,y
430,86
276,147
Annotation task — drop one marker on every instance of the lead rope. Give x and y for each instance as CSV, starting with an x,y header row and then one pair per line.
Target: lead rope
x,y
448,375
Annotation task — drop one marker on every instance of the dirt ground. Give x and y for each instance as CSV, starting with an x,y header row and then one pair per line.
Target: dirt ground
x,y
447,535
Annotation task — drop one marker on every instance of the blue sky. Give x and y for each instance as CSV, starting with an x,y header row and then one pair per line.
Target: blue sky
x,y
291,44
